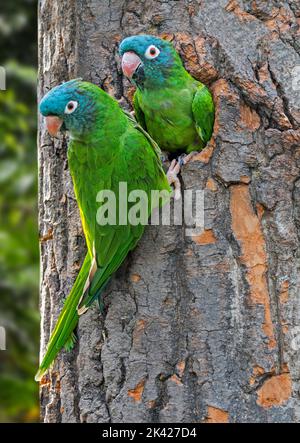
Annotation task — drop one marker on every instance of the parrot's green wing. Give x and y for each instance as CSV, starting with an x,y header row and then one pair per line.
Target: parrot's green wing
x,y
140,168
139,115
152,142
203,111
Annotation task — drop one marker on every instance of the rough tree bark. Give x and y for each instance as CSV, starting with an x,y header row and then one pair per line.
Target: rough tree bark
x,y
203,329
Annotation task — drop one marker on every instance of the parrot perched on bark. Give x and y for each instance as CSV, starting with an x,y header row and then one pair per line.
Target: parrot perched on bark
x,y
106,147
173,107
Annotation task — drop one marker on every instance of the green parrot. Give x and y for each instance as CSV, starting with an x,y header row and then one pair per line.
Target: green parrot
x,y
173,107
106,148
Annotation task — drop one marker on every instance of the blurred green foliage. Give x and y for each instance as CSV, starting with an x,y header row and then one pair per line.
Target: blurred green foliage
x,y
18,213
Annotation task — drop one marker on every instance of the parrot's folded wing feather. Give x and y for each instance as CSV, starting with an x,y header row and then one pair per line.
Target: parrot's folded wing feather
x,y
113,248
203,111
141,170
152,142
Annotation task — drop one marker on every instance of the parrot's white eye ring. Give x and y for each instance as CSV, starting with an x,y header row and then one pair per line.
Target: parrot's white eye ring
x,y
152,52
70,107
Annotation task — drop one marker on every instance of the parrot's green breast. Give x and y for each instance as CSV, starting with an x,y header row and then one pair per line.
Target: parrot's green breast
x,y
169,118
87,183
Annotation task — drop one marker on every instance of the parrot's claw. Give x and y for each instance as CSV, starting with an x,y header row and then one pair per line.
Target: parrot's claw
x,y
174,170
183,159
173,179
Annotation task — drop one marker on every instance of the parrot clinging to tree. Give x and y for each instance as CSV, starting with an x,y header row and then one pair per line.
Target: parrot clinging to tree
x,y
173,107
106,147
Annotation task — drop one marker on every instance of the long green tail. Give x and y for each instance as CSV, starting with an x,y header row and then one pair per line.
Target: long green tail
x,y
62,334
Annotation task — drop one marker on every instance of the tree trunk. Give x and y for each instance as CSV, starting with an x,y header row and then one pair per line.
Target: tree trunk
x,y
200,329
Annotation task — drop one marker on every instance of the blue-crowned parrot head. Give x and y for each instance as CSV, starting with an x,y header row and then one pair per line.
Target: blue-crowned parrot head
x,y
148,60
70,106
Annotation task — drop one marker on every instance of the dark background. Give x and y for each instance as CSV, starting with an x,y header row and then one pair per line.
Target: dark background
x,y
18,213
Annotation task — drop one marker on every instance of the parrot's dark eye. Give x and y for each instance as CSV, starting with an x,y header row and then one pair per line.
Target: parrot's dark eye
x,y
152,52
71,106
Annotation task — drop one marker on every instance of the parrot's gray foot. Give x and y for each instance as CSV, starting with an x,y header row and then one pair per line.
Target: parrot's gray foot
x,y
183,159
172,176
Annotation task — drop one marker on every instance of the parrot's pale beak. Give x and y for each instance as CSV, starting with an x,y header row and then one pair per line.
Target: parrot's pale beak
x,y
130,63
53,124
